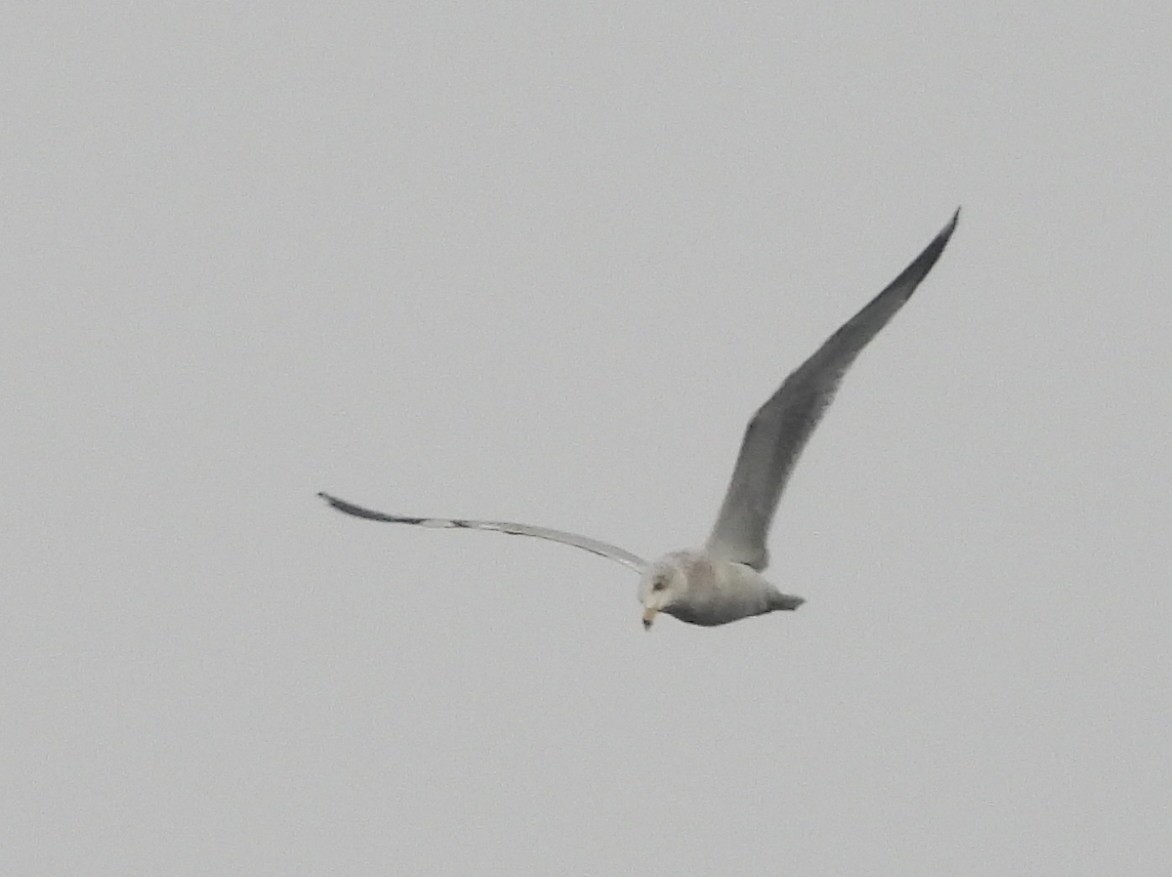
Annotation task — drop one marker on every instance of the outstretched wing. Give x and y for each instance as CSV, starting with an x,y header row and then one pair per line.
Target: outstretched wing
x,y
779,430
584,542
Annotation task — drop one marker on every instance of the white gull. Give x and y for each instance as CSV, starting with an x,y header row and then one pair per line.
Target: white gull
x,y
722,582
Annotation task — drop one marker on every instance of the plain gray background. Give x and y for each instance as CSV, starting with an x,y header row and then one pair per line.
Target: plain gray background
x,y
541,261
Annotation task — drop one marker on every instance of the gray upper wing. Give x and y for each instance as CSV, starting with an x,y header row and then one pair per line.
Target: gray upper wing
x,y
779,430
602,549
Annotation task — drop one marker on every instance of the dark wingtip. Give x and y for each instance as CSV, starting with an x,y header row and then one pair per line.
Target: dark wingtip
x,y
922,264
947,231
358,511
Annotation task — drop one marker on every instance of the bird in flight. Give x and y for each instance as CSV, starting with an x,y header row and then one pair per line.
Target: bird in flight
x,y
722,581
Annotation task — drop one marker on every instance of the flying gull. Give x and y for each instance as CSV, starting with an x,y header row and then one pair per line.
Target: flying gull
x,y
722,581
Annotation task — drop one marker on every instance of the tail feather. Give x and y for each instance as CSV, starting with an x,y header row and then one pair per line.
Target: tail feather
x,y
786,601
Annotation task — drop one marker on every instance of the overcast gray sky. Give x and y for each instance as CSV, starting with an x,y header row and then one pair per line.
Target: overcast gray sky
x,y
541,261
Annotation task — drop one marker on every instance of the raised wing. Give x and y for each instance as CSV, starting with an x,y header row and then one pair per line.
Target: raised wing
x,y
584,542
779,430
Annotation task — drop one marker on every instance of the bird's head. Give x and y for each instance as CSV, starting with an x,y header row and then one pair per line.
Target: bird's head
x,y
661,585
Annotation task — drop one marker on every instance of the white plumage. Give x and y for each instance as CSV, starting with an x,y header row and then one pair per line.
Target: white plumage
x,y
722,582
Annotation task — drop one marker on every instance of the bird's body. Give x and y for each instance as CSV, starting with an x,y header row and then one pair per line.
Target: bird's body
x,y
699,588
722,582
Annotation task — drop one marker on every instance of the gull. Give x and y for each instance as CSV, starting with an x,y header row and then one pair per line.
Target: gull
x,y
722,581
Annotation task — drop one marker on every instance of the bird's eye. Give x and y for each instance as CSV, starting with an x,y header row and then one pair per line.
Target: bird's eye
x,y
658,585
